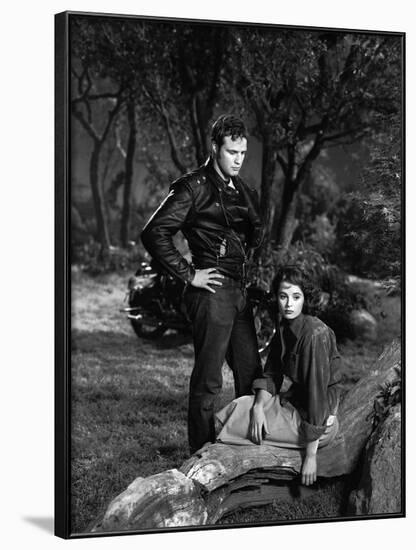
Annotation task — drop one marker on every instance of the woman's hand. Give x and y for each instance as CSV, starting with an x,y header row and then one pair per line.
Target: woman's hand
x,y
309,468
258,424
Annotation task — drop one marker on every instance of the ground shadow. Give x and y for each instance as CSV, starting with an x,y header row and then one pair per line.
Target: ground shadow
x,y
173,340
83,340
45,523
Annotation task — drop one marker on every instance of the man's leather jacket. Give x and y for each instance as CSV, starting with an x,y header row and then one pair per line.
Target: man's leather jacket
x,y
219,230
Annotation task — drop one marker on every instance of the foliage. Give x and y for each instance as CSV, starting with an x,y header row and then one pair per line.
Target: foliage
x,y
369,236
389,396
311,90
338,297
320,234
171,69
317,198
305,86
90,257
369,224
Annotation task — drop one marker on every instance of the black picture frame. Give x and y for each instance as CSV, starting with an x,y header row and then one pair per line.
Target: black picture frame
x,y
63,281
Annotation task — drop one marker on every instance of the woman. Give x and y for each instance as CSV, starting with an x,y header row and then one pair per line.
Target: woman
x,y
296,399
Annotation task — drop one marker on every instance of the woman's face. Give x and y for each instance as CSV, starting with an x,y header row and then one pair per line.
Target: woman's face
x,y
290,299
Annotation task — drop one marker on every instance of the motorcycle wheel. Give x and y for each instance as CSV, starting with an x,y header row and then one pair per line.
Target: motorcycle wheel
x,y
265,326
150,332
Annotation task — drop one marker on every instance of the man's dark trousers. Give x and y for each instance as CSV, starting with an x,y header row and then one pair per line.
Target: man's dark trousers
x,y
223,328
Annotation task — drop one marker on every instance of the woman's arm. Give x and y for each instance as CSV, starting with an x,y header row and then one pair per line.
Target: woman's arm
x,y
309,466
316,372
271,379
258,422
265,386
315,369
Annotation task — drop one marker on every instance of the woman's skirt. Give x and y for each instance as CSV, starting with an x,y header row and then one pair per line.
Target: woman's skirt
x,y
283,421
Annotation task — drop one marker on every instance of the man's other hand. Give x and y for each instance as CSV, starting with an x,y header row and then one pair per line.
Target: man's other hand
x,y
205,277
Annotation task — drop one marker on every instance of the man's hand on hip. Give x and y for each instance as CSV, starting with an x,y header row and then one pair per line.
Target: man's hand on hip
x,y
205,277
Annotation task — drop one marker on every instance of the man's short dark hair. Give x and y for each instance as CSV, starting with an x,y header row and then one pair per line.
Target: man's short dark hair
x,y
228,125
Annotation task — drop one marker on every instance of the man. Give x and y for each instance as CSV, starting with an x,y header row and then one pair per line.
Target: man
x,y
218,215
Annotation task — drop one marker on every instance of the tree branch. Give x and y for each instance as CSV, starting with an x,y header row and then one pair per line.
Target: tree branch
x,y
173,145
161,109
290,148
218,57
86,125
152,100
310,157
95,97
283,164
83,93
119,144
89,127
111,116
351,141
352,132
196,124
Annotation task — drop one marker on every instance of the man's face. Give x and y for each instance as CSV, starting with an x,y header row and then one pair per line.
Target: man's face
x,y
230,156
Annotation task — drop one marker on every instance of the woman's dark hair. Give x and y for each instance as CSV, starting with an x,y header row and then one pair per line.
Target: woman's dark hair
x,y
297,276
228,125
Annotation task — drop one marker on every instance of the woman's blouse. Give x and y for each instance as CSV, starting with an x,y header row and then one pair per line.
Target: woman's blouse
x,y
305,351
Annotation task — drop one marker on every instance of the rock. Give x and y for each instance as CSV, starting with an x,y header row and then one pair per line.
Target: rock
x,y
363,324
379,489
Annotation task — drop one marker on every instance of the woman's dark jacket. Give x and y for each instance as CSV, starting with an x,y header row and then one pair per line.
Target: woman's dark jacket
x,y
305,351
220,224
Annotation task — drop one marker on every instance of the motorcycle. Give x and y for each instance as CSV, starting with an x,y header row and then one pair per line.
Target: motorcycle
x,y
155,306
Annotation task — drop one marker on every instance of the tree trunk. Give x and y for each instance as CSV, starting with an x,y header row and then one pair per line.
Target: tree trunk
x,y
199,123
287,221
103,235
128,179
297,173
267,178
220,478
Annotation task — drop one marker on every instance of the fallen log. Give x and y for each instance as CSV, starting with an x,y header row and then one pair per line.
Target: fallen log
x,y
220,478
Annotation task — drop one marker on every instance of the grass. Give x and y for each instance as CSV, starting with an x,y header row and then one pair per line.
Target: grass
x,y
129,404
